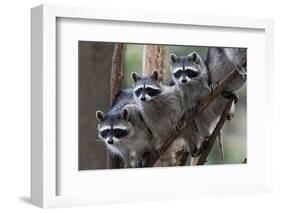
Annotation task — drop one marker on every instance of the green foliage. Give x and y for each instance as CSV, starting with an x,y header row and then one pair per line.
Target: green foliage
x,y
132,62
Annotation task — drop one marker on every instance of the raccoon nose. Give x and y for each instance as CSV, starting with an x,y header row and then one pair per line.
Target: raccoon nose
x,y
183,80
143,98
110,141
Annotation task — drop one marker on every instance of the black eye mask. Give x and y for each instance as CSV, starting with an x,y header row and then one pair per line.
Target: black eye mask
x,y
105,133
138,92
177,74
191,73
149,91
117,133
152,92
120,133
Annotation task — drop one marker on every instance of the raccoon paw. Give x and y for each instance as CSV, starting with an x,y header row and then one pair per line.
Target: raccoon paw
x,y
142,163
147,154
160,150
228,95
214,86
195,153
245,77
194,124
178,125
203,146
195,107
144,158
243,72
229,116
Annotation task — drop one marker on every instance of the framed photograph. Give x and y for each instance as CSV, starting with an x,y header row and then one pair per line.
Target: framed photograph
x,y
129,106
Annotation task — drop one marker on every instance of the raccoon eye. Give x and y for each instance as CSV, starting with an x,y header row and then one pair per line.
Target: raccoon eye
x,y
191,73
178,74
138,92
152,92
105,133
120,133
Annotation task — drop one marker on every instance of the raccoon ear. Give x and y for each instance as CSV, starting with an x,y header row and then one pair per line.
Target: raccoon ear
x,y
135,76
195,57
155,75
174,58
100,116
125,114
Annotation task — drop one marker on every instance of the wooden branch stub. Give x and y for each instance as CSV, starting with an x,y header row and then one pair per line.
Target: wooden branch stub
x,y
154,58
188,117
208,145
117,70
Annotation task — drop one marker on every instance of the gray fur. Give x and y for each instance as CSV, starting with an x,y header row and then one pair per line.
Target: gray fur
x,y
192,91
196,87
160,112
221,62
125,113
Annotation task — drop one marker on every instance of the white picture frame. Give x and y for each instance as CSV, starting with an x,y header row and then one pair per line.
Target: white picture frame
x,y
44,163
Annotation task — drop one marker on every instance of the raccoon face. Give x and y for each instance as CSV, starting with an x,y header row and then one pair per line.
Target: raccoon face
x,y
185,69
146,88
238,56
113,129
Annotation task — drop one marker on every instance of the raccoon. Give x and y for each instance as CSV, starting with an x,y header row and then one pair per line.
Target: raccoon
x,y
159,104
123,130
222,61
191,77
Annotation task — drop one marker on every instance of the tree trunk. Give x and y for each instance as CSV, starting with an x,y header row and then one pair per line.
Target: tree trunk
x,y
117,70
155,58
115,89
94,69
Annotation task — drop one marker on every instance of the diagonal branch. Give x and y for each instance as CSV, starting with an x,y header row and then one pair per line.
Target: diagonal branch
x,y
208,145
188,117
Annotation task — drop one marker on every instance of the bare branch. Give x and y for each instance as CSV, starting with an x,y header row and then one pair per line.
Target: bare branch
x,y
188,118
208,145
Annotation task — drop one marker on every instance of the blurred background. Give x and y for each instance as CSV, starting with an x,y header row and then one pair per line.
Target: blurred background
x,y
94,89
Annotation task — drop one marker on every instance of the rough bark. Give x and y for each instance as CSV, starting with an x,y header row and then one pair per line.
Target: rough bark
x,y
115,89
155,58
117,70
